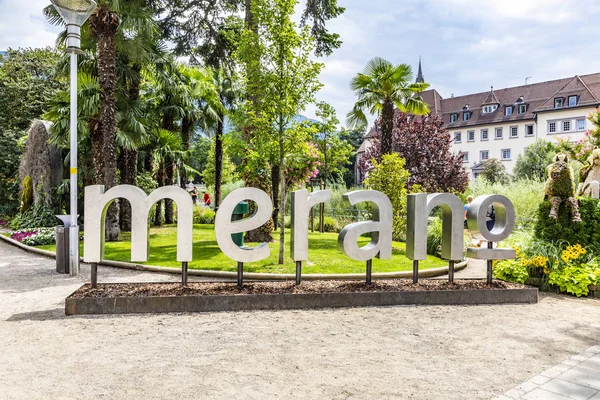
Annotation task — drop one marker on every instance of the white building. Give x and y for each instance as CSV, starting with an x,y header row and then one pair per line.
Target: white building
x,y
501,123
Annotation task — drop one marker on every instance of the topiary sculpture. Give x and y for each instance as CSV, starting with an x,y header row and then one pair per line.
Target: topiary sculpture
x,y
560,186
591,183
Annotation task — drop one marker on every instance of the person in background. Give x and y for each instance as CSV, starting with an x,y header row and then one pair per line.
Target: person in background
x,y
469,201
206,199
194,194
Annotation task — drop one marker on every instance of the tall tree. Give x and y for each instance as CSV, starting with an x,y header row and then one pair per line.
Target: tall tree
x,y
335,152
379,88
285,79
425,145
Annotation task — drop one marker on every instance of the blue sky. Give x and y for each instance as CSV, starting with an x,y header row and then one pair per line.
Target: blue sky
x,y
466,45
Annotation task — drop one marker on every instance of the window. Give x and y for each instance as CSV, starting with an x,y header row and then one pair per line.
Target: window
x,y
522,108
551,127
508,110
465,156
498,133
453,117
484,134
558,102
489,109
528,130
572,101
505,153
514,131
581,124
484,155
466,116
566,125
470,136
457,137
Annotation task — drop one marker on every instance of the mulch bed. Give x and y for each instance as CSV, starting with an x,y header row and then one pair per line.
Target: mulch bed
x,y
228,289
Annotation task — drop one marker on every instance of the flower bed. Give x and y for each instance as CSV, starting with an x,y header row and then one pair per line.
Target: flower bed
x,y
35,236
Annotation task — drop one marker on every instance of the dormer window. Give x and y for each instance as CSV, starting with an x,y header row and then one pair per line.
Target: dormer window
x,y
466,116
522,108
453,117
489,109
558,102
572,101
508,111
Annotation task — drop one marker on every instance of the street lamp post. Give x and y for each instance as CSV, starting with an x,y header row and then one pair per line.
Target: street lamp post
x,y
74,13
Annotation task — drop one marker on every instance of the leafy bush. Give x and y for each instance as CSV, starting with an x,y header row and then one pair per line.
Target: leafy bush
x,y
330,224
35,237
40,216
27,195
511,270
525,194
434,236
534,160
390,177
586,233
576,278
204,215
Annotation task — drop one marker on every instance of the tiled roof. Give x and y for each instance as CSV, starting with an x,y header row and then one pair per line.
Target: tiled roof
x,y
538,97
434,100
491,99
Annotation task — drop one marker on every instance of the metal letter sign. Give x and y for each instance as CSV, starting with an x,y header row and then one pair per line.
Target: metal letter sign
x,y
224,226
503,226
418,208
380,228
302,202
96,206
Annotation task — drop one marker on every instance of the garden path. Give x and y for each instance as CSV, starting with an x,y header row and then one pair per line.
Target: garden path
x,y
474,352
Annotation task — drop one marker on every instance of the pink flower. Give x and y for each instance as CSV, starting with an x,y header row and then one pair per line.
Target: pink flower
x,y
587,133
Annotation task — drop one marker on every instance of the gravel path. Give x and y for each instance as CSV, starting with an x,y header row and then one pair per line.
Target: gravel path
x,y
371,353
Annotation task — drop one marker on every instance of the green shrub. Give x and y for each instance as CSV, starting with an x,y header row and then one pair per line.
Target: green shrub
x,y
331,224
511,270
586,232
434,236
576,278
525,194
390,177
27,195
40,216
204,215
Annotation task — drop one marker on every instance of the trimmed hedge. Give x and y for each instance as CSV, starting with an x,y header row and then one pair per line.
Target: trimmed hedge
x,y
586,233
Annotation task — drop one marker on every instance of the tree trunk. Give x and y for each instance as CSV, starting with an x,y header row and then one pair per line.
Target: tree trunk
x,y
128,167
169,181
275,184
160,179
282,203
105,23
265,232
387,125
218,161
187,126
98,159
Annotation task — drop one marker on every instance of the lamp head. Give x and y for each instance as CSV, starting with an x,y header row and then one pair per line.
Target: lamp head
x,y
74,13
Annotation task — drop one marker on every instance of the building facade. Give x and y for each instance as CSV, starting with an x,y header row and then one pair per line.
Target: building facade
x,y
501,123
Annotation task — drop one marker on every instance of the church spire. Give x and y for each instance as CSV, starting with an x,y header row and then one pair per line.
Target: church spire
x,y
420,78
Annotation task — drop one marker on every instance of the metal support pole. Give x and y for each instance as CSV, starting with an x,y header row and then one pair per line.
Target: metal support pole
x,y
369,271
94,275
74,228
240,274
415,271
451,271
489,265
184,273
298,272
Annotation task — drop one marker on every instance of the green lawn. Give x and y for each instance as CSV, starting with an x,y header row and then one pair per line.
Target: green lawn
x,y
324,255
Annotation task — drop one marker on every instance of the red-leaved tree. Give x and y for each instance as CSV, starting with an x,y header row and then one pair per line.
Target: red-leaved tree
x,y
425,145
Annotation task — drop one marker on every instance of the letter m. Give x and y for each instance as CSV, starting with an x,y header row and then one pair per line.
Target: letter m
x,y
96,206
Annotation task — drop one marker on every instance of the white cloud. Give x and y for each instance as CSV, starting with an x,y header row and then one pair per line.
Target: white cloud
x,y
23,24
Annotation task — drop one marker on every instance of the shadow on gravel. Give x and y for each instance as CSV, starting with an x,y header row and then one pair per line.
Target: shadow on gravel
x,y
44,315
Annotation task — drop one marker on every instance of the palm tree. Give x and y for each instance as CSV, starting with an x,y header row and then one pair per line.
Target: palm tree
x,y
379,88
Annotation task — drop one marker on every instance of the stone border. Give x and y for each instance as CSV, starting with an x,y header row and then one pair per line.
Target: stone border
x,y
213,303
425,273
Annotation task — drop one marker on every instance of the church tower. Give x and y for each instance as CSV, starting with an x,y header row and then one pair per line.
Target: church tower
x,y
420,78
